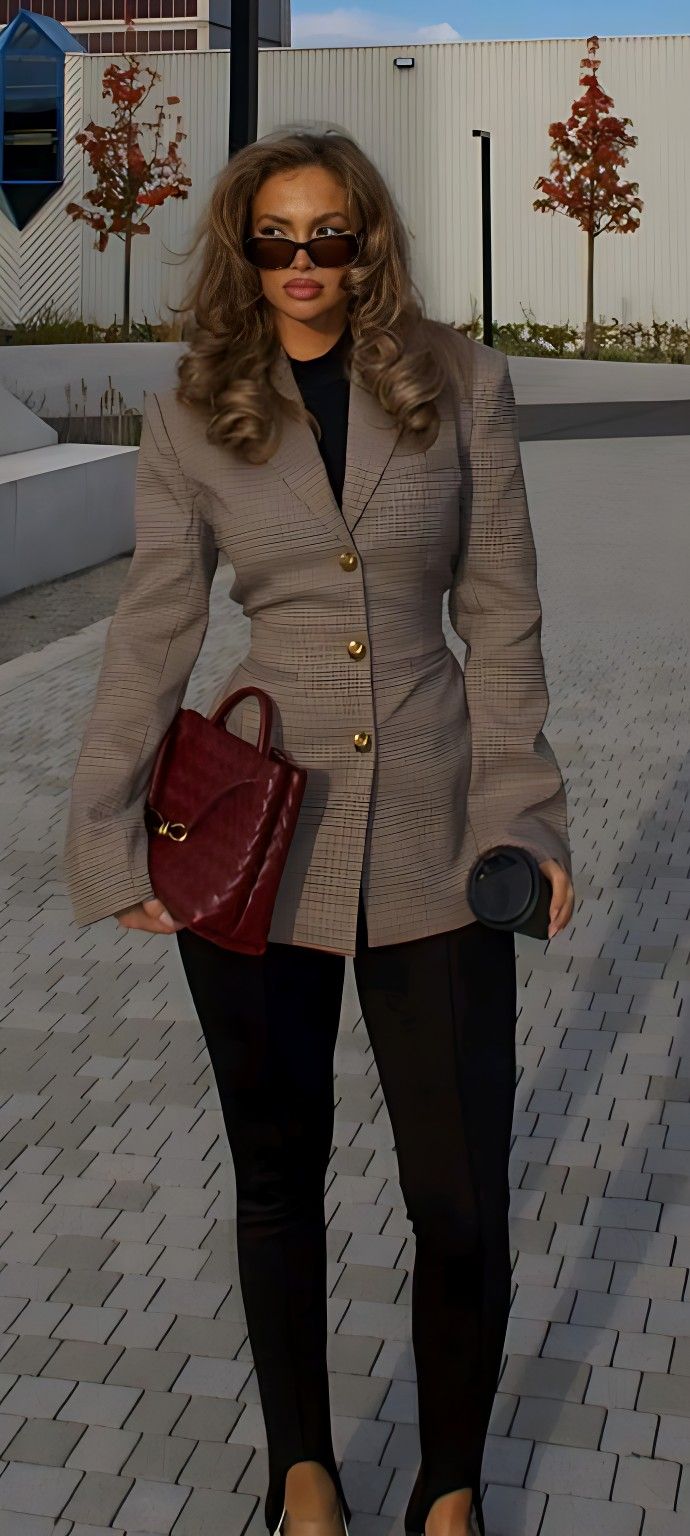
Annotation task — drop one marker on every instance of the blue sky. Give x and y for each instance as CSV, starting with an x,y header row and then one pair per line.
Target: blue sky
x,y
318,23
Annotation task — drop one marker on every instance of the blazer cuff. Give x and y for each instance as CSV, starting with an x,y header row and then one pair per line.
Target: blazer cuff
x,y
114,879
539,839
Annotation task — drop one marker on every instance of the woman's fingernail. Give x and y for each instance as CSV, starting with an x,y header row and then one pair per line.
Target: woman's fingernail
x,y
166,918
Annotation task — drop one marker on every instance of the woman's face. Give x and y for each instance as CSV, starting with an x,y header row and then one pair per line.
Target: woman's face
x,y
302,204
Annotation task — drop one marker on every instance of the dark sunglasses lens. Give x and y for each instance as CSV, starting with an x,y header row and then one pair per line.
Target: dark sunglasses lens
x,y
270,253
333,250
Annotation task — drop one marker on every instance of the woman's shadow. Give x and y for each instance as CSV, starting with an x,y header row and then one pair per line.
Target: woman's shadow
x,y
603,1055
608,1058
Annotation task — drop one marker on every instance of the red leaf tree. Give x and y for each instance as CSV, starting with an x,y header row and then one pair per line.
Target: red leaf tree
x,y
584,182
127,183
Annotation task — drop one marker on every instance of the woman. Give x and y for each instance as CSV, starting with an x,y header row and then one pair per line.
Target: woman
x,y
355,460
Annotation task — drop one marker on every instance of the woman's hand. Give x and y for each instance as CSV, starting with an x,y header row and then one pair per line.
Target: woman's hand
x,y
150,916
562,895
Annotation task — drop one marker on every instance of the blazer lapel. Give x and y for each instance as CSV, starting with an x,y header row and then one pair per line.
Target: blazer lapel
x,y
371,437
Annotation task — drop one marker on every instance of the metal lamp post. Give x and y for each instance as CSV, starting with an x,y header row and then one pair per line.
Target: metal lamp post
x,y
244,73
487,295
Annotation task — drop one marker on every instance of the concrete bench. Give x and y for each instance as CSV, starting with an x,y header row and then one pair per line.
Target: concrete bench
x,y
63,508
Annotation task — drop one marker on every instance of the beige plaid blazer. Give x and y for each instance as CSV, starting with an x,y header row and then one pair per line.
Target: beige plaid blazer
x,y
414,762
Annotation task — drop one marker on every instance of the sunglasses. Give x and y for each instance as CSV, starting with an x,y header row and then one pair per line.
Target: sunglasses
x,y
273,252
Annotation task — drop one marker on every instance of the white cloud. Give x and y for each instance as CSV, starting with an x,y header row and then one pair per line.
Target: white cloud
x,y
348,27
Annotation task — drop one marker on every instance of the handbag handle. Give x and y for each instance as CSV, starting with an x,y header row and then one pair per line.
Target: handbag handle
x,y
217,718
265,705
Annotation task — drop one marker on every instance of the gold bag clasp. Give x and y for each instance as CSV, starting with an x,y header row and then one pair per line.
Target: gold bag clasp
x,y
173,829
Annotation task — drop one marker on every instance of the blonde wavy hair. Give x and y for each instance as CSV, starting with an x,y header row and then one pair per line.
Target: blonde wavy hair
x,y
233,342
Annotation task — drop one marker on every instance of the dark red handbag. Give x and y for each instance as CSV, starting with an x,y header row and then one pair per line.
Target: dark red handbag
x,y
220,814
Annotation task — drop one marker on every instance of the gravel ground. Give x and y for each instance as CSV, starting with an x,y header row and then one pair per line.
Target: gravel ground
x,y
32,618
54,609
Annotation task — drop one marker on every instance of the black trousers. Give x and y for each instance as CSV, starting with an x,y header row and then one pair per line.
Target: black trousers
x,y
440,1013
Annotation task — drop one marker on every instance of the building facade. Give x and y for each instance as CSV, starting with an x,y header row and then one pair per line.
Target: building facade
x,y
417,125
160,26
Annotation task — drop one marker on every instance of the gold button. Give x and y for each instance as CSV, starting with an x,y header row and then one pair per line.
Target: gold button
x,y
348,560
357,648
363,741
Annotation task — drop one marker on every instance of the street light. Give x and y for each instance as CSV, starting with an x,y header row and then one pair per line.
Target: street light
x,y
244,73
487,297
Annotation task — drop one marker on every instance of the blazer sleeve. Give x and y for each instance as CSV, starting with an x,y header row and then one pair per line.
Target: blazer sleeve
x,y
516,791
152,643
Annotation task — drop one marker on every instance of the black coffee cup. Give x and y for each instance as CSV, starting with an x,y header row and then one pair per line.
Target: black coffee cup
x,y
507,889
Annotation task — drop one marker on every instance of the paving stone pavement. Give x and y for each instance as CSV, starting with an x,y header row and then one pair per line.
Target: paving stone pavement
x,y
128,1399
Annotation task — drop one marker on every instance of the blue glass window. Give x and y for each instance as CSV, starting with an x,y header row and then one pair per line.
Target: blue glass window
x,y
32,75
31,94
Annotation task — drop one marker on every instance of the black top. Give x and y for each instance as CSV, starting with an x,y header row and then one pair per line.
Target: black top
x,y
326,392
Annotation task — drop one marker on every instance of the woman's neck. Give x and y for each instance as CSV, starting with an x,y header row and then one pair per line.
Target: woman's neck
x,y
304,342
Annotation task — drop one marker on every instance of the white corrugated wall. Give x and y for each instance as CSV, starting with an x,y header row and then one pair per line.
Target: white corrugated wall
x,y
43,261
417,125
203,85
